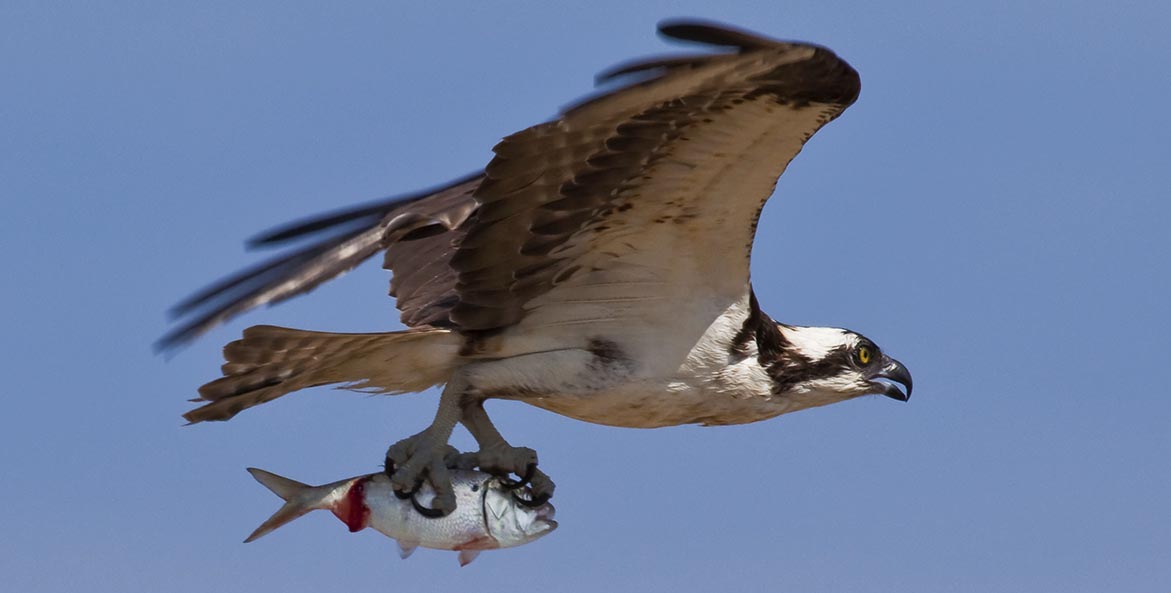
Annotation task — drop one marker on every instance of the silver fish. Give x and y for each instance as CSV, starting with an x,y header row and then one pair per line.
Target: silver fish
x,y
487,516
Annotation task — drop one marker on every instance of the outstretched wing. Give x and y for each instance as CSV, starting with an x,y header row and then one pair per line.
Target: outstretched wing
x,y
636,194
648,191
350,237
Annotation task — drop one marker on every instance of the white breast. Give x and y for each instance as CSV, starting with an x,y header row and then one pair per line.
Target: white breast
x,y
651,386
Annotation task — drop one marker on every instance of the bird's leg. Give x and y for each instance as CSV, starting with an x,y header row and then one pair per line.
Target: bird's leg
x,y
497,457
426,456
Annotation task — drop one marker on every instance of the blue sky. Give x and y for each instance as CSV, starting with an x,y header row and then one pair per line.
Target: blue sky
x,y
993,211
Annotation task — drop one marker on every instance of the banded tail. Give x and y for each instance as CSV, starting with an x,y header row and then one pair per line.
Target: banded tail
x,y
270,361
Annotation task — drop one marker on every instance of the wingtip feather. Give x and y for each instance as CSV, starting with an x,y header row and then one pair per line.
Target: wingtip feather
x,y
712,33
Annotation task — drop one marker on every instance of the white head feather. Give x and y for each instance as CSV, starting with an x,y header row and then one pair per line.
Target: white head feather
x,y
815,343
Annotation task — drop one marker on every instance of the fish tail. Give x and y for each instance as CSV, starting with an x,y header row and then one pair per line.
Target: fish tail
x,y
299,499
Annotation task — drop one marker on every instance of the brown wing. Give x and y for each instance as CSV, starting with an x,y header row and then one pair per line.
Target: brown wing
x,y
423,282
697,145
572,196
351,237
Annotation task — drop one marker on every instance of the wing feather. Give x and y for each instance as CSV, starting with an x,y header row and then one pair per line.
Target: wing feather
x,y
351,237
631,196
558,194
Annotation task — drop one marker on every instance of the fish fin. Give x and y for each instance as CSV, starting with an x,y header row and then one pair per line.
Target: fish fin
x,y
280,485
299,499
466,556
406,548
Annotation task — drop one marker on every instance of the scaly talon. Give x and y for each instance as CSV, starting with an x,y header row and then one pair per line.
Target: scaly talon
x,y
499,458
469,461
502,460
443,500
389,469
530,469
539,492
415,460
541,487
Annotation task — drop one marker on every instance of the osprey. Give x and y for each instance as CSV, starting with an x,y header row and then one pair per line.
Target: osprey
x,y
598,267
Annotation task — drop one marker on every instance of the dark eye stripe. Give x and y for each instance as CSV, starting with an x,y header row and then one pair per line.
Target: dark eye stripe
x,y
792,369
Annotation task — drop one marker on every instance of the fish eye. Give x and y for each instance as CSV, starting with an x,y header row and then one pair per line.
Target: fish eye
x,y
865,354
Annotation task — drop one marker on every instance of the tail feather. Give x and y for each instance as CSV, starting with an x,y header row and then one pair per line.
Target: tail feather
x,y
270,361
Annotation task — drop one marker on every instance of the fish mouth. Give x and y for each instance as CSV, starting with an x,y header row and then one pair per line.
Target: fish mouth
x,y
544,522
547,512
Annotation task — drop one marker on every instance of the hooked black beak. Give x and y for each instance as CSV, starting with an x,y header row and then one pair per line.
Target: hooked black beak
x,y
893,370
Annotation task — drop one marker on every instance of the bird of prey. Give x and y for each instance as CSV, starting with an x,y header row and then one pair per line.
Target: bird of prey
x,y
598,267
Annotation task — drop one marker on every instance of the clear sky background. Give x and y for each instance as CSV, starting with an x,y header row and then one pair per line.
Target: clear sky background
x,y
993,211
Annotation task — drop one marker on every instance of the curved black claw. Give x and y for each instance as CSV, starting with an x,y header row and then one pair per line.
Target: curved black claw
x,y
388,469
534,502
416,460
428,512
530,470
538,493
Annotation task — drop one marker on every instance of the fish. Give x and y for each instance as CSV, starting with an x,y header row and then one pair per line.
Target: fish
x,y
488,513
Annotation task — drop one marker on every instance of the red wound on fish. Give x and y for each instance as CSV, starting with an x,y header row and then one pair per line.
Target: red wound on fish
x,y
352,509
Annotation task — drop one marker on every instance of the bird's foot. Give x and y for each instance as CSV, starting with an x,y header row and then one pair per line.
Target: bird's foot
x,y
503,460
420,458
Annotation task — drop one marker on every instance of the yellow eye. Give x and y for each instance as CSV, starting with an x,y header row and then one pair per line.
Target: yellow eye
x,y
864,354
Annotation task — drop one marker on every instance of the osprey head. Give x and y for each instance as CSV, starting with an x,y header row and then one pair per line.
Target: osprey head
x,y
823,365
